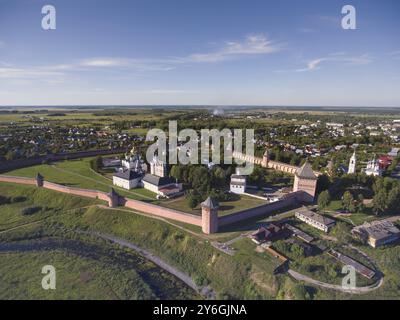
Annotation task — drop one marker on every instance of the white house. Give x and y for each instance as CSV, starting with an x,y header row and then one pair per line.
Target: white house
x,y
163,186
127,179
238,184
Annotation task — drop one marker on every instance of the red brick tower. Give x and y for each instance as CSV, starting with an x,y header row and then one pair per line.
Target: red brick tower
x,y
209,216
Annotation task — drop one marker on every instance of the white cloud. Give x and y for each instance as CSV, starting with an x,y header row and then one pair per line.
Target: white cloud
x,y
26,73
167,91
341,57
256,44
104,62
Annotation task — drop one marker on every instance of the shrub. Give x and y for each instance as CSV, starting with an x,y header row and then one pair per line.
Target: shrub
x,y
27,211
18,199
4,200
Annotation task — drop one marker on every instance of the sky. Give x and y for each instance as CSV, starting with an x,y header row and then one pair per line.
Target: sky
x,y
200,52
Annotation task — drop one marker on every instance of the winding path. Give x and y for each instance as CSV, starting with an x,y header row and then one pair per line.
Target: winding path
x,y
358,290
206,291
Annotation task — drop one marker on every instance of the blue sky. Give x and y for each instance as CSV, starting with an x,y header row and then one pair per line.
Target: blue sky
x,y
211,52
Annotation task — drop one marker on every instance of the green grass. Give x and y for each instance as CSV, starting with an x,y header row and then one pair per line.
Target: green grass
x,y
246,275
227,207
90,272
78,174
50,202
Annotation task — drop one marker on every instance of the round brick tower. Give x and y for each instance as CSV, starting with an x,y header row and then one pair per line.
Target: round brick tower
x,y
113,199
209,216
39,180
265,159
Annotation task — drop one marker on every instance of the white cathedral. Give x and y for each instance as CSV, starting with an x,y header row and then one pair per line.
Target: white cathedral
x,y
373,168
133,174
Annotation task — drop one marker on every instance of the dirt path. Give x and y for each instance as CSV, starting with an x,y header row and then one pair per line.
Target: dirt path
x,y
206,291
360,290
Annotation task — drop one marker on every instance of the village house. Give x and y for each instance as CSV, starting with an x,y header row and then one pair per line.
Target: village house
x,y
269,233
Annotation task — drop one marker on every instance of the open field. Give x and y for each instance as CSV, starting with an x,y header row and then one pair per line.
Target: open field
x,y
227,207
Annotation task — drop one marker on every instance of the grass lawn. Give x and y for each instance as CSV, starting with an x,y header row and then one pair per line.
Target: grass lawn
x,y
84,270
48,202
77,173
226,207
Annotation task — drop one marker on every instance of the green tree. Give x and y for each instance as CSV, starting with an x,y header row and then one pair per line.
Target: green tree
x,y
192,201
324,199
348,202
393,199
176,172
379,202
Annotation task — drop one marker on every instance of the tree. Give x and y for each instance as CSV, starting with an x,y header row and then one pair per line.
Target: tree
x,y
176,172
192,201
348,202
200,178
10,155
380,202
393,199
218,176
324,199
97,163
360,203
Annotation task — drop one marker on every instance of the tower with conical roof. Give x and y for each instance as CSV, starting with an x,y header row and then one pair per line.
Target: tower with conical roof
x,y
265,159
352,164
113,198
306,180
209,216
39,180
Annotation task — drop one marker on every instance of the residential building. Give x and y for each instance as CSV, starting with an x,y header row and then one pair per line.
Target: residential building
x,y
269,233
377,233
315,220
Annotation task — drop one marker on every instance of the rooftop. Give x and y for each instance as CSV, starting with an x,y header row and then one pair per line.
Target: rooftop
x,y
306,172
210,203
158,181
379,229
128,175
316,217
